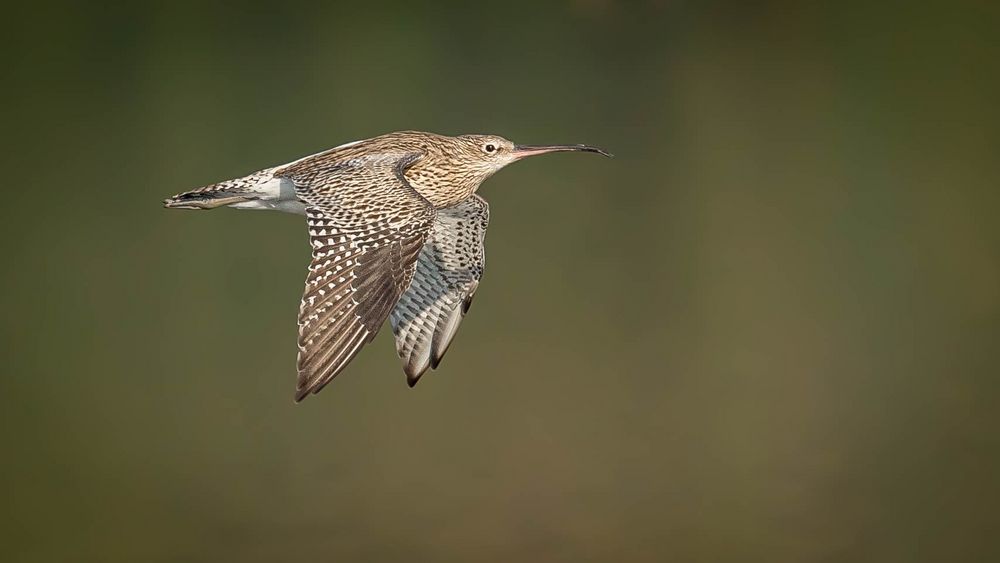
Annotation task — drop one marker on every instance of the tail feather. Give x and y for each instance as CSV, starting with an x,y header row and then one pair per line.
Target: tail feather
x,y
220,194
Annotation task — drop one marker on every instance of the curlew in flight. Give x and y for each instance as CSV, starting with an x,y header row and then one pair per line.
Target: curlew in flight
x,y
397,232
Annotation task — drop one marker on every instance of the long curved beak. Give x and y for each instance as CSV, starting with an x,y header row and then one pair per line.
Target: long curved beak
x,y
521,151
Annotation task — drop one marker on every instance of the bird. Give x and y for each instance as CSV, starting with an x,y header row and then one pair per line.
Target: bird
x,y
397,232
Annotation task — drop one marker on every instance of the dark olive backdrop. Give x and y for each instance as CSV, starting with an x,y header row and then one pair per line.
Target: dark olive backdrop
x,y
766,331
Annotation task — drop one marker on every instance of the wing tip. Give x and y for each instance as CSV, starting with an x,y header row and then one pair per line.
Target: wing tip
x,y
304,389
414,371
437,355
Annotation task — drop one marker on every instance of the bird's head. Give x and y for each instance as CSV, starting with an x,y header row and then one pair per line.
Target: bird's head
x,y
489,153
454,167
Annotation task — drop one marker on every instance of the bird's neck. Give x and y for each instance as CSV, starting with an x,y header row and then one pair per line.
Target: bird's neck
x,y
440,190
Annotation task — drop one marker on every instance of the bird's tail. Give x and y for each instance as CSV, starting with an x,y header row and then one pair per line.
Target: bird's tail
x,y
228,192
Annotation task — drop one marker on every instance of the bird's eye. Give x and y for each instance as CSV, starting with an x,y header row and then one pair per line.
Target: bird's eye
x,y
490,148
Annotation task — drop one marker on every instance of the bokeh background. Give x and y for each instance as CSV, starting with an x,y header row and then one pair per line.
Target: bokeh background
x,y
768,330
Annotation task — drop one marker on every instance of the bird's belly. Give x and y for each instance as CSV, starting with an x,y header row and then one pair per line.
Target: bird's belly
x,y
287,206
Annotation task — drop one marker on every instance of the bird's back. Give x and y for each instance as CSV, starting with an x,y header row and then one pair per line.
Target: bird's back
x,y
434,172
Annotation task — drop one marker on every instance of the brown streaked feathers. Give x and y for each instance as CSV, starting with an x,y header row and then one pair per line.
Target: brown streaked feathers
x,y
364,249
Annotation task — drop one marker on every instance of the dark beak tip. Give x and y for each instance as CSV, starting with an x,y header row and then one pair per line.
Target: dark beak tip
x,y
596,150
541,149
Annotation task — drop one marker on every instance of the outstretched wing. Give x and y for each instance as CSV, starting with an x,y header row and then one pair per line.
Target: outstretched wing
x,y
448,271
366,227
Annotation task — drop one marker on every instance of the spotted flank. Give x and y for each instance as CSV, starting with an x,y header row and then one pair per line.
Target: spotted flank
x,y
397,233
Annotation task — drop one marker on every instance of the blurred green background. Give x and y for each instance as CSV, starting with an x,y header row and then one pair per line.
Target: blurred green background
x,y
769,330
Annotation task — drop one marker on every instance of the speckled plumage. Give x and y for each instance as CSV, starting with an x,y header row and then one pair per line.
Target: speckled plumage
x,y
396,232
448,270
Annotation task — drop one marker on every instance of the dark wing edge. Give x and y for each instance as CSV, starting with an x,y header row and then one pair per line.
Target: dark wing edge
x,y
448,271
367,226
